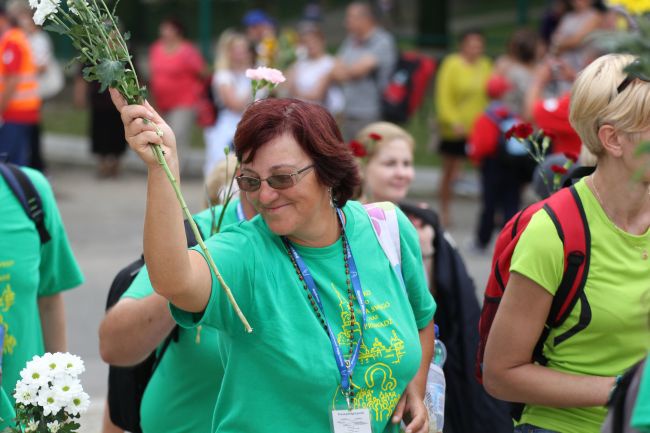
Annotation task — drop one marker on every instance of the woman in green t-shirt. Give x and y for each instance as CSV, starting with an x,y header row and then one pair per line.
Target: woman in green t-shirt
x,y
335,327
609,110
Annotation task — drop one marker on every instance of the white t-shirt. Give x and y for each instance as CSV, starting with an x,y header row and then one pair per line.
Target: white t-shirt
x,y
309,72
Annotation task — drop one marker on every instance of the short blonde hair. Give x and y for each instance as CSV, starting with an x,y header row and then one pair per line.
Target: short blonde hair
x,y
386,132
595,101
217,181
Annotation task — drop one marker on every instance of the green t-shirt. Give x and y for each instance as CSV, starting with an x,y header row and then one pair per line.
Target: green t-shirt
x,y
641,414
29,270
618,294
283,377
182,392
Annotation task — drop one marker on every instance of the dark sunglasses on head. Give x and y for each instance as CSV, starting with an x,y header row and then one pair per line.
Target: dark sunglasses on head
x,y
276,181
632,75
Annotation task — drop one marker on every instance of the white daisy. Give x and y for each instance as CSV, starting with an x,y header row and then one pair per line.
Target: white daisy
x,y
32,425
47,399
35,373
79,404
54,426
26,393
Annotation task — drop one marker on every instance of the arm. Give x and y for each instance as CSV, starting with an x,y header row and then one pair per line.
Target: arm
x,y
229,98
362,67
181,276
134,328
52,312
575,40
11,84
509,373
412,400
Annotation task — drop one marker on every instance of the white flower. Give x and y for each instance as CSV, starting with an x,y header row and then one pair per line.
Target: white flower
x,y
35,373
33,4
79,404
54,426
26,393
44,9
32,425
65,389
72,364
47,399
55,364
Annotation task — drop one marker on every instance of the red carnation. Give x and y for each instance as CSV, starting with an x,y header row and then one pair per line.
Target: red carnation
x,y
558,169
572,156
523,130
358,149
374,136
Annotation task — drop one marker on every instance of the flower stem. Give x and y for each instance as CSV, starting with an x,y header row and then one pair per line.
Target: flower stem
x,y
158,152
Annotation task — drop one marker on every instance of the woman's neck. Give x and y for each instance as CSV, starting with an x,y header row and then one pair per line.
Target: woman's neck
x,y
625,201
322,232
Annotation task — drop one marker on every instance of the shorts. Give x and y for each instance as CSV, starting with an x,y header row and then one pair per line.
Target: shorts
x,y
453,147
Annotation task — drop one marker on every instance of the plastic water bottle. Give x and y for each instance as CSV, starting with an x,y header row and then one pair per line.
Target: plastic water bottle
x,y
435,390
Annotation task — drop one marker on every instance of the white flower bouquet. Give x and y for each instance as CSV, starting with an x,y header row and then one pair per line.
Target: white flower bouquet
x,y
49,396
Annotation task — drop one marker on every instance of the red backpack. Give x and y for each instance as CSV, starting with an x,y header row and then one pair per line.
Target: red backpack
x,y
407,86
566,211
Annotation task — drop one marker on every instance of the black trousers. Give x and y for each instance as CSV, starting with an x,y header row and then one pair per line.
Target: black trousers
x,y
501,195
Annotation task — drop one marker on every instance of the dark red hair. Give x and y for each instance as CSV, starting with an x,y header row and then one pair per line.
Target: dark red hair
x,y
313,128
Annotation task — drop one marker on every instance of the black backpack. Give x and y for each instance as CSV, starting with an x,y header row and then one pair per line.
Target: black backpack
x,y
126,385
468,407
27,195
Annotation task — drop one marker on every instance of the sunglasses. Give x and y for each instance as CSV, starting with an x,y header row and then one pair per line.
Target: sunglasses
x,y
277,181
631,76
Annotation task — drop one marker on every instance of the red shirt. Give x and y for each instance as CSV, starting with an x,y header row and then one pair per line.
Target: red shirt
x,y
176,77
552,116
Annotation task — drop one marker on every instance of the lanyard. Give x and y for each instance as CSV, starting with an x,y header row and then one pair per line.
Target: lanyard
x,y
240,212
345,368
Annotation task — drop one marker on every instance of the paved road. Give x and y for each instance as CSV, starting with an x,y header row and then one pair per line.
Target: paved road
x,y
104,222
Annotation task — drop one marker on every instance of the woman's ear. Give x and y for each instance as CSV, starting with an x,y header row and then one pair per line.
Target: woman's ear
x,y
610,140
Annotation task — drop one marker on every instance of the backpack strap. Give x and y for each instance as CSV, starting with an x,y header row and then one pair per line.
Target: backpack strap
x,y
383,218
567,213
27,195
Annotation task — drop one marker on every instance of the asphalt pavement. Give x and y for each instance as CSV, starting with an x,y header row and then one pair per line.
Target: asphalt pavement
x,y
104,220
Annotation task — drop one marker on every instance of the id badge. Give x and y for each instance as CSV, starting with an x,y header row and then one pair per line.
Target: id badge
x,y
351,421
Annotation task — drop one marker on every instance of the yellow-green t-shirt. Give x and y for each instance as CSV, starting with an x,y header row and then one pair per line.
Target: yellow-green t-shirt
x,y
460,93
618,293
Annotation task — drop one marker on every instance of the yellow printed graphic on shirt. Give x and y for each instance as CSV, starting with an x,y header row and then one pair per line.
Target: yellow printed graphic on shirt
x,y
7,299
377,389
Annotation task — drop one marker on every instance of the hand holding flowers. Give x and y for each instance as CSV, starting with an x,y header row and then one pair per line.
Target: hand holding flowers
x,y
49,396
92,27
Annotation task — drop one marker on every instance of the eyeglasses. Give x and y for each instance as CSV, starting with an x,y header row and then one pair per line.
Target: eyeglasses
x,y
277,181
631,76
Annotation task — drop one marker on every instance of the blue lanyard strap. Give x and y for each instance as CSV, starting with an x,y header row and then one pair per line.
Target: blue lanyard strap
x,y
345,368
240,212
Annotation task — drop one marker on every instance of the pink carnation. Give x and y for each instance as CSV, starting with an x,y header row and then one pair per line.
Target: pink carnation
x,y
271,75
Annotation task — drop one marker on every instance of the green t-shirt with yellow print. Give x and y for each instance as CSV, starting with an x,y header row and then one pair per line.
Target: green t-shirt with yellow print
x,y
28,271
618,293
182,392
283,376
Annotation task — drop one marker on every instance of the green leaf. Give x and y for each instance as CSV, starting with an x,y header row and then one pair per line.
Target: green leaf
x,y
109,72
127,36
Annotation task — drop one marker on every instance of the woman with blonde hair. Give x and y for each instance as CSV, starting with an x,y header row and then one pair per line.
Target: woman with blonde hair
x,y
232,91
609,110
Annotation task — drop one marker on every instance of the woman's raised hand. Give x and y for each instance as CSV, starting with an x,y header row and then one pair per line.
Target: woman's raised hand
x,y
143,127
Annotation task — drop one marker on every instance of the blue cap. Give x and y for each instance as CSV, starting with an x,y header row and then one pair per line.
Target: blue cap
x,y
436,330
255,17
